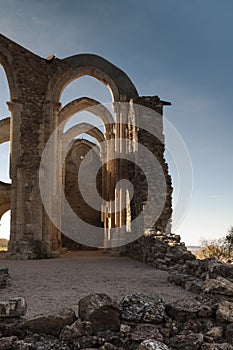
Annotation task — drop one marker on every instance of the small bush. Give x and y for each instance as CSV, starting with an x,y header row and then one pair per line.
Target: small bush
x,y
219,249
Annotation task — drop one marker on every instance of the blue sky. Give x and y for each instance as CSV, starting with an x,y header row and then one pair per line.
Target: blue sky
x,y
180,50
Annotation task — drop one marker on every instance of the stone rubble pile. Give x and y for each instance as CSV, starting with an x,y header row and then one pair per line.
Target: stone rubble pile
x,y
207,275
212,281
159,250
4,278
138,322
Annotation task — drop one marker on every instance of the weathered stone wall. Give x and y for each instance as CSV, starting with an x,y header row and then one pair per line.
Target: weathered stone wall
x,y
153,140
160,250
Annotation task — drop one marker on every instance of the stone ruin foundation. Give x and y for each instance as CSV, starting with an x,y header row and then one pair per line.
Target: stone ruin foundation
x,y
36,85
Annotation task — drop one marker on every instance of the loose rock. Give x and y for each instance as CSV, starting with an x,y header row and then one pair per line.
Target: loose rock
x,y
223,346
76,330
187,341
219,285
50,324
143,332
142,308
152,345
229,333
101,310
184,310
15,307
215,332
4,278
225,312
7,343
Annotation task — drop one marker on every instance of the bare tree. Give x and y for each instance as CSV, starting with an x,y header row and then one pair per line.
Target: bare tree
x,y
229,241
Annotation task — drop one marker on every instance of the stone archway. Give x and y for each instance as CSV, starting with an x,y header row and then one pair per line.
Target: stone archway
x,y
91,216
121,87
36,85
78,150
90,105
84,128
106,148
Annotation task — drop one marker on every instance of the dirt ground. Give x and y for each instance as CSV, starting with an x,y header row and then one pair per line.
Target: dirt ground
x,y
50,285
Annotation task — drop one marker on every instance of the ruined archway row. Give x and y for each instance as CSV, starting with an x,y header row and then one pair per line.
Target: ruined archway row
x,y
36,85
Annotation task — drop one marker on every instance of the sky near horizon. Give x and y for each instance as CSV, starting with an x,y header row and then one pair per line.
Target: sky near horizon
x,y
180,50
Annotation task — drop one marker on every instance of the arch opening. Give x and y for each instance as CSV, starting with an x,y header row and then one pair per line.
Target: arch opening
x,y
73,193
88,110
85,86
119,84
84,117
88,137
5,162
5,230
5,94
82,129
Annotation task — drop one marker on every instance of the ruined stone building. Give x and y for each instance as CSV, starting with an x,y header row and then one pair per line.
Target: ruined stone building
x,y
40,222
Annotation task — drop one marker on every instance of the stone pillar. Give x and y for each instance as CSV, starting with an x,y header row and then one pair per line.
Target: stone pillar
x,y
29,236
56,173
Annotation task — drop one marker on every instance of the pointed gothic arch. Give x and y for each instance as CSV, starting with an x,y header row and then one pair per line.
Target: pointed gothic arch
x,y
90,105
119,84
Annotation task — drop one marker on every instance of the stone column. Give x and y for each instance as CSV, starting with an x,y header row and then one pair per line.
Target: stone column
x,y
26,225
56,174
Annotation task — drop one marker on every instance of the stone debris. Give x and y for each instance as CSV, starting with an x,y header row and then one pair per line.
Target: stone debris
x,y
229,333
49,324
141,332
188,309
223,346
225,312
215,333
14,307
152,345
138,322
4,278
101,310
187,340
206,275
76,330
219,285
6,343
142,308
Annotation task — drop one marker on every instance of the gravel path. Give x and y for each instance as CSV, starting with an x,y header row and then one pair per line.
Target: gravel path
x,y
50,285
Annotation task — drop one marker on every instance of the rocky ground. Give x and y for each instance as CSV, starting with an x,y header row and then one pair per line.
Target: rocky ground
x,y
49,285
144,308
